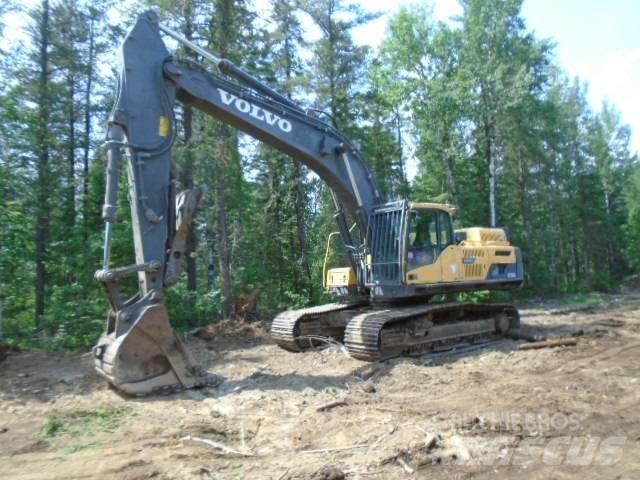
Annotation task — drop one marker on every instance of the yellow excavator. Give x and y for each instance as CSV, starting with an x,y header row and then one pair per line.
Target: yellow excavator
x,y
399,253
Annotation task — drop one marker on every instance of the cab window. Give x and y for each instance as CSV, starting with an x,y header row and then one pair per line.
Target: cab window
x,y
423,238
446,236
429,234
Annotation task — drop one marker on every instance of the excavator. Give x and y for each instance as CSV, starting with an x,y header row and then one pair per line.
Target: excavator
x,y
398,254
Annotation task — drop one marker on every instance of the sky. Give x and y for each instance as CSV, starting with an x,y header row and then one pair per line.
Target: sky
x,y
596,40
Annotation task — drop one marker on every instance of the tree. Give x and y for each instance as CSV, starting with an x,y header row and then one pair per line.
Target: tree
x,y
96,45
502,66
337,68
419,70
280,185
632,228
609,142
229,31
338,63
41,149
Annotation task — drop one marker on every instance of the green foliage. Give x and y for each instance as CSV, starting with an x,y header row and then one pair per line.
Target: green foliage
x,y
467,99
191,309
632,228
84,425
583,299
485,96
54,427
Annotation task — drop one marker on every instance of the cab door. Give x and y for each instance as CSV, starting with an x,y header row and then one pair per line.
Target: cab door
x,y
432,256
449,259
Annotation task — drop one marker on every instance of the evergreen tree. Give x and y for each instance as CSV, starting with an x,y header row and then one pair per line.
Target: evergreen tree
x,y
338,63
281,190
42,145
229,32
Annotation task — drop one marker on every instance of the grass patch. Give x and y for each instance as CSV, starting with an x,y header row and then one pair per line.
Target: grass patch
x,y
79,446
54,427
102,419
81,425
583,299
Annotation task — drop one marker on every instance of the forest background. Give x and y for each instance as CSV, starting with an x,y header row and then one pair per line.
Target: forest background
x,y
477,107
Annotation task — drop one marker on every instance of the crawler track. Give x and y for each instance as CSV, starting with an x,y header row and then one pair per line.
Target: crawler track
x,y
294,330
373,333
426,328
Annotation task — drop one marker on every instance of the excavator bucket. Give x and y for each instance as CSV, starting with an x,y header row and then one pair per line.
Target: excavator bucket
x,y
139,353
147,357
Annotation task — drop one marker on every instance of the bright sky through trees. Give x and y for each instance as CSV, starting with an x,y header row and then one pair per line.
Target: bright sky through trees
x,y
595,40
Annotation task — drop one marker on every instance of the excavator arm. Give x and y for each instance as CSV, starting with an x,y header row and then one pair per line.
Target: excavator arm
x,y
139,353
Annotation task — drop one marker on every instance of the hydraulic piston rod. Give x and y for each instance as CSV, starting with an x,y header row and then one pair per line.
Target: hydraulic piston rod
x,y
228,67
115,136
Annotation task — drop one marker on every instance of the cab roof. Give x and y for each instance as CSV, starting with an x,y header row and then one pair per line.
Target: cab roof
x,y
445,207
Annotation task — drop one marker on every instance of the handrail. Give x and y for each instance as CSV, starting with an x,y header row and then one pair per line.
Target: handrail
x,y
326,256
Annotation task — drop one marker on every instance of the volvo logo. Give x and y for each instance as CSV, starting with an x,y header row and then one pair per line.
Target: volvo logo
x,y
254,110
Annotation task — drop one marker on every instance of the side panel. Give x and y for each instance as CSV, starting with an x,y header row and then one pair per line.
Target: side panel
x,y
341,277
462,264
450,261
446,268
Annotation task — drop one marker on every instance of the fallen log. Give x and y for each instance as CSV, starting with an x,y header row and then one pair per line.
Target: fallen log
x,y
405,466
218,445
520,335
336,449
329,406
554,342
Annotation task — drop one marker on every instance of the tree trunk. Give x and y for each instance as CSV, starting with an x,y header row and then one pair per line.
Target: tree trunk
x,y
300,199
43,175
71,153
223,35
211,264
87,129
223,247
491,160
607,204
448,165
524,212
403,187
187,169
187,183
299,207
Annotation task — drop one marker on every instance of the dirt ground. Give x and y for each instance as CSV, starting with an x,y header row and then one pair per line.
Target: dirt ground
x,y
494,412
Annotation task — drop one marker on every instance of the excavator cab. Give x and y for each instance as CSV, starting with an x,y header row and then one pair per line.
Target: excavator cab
x,y
412,250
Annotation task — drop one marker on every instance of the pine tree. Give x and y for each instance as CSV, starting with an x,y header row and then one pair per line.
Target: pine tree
x,y
280,183
41,149
338,64
229,32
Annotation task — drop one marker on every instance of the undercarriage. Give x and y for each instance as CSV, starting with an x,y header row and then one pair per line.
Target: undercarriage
x,y
374,332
